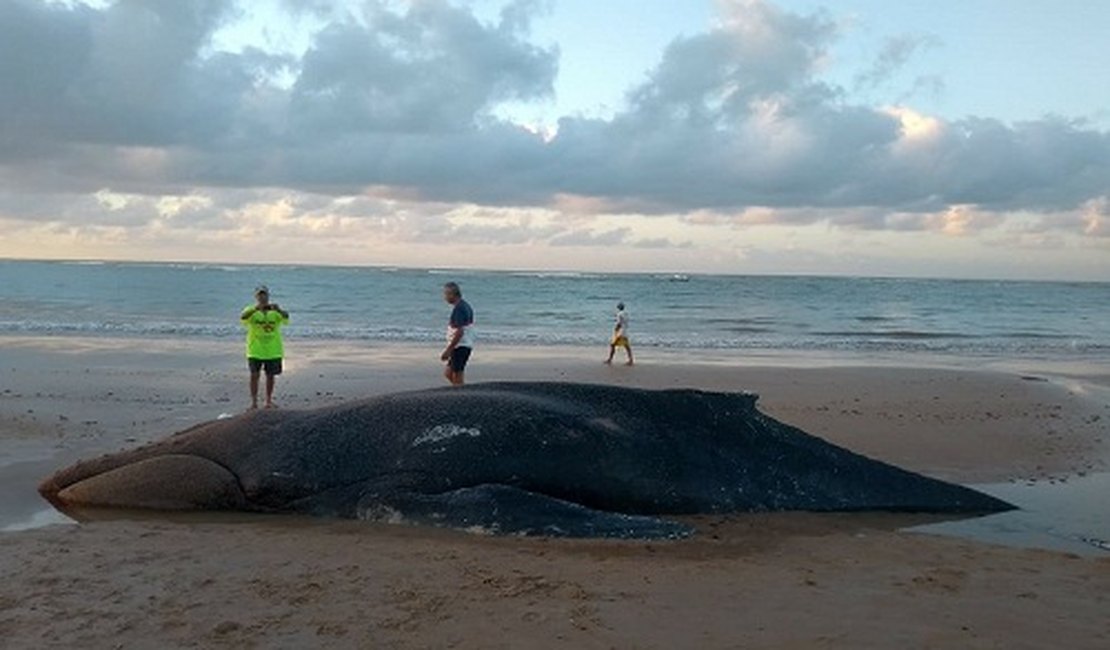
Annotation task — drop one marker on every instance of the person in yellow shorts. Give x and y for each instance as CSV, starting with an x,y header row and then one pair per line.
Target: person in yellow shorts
x,y
620,336
264,321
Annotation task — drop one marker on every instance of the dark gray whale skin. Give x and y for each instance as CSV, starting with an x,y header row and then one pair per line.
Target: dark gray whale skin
x,y
529,458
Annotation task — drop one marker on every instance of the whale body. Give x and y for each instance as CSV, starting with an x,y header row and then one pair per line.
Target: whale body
x,y
553,459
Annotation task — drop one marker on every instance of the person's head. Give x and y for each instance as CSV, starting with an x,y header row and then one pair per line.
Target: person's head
x,y
451,292
262,295
620,306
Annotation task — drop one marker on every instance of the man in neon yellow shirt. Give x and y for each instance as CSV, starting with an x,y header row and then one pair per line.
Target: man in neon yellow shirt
x,y
264,321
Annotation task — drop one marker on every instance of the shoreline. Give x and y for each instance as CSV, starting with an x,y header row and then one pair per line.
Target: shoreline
x,y
1079,367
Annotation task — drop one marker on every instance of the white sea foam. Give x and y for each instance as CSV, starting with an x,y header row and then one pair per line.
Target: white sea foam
x,y
485,531
383,514
441,432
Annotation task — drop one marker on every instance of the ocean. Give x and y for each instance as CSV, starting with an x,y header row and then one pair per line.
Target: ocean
x,y
1004,319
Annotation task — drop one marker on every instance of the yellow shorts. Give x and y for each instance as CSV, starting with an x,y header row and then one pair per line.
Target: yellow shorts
x,y
620,341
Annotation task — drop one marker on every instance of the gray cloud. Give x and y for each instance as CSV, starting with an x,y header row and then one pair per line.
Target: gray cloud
x,y
129,75
613,237
894,55
432,70
402,101
660,242
1092,220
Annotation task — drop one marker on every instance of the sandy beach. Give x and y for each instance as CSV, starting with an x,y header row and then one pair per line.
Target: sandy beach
x,y
790,580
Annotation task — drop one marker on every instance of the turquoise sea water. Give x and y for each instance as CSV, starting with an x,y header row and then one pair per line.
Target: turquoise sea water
x,y
993,318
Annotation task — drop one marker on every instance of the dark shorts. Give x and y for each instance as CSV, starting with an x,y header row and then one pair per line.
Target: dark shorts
x,y
271,366
459,357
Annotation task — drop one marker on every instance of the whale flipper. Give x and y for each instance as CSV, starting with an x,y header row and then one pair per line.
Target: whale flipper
x,y
502,509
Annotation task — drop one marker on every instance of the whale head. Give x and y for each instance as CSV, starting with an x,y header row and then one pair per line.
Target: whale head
x,y
177,474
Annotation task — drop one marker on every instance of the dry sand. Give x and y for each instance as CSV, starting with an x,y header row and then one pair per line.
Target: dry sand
x,y
794,580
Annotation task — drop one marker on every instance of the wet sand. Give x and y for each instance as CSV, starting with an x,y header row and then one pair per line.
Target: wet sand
x,y
794,580
768,581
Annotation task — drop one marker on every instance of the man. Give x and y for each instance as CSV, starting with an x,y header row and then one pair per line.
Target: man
x,y
620,336
459,338
264,321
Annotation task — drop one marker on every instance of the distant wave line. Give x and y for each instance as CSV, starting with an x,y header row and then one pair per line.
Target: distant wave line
x,y
765,340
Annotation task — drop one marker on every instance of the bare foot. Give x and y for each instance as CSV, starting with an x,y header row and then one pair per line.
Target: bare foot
x,y
271,405
608,362
629,363
253,407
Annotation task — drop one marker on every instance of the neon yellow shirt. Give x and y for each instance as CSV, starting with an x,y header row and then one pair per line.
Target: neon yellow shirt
x,y
264,334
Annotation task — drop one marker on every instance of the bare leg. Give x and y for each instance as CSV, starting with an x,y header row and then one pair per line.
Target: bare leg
x,y
449,374
459,378
254,390
270,391
612,351
629,351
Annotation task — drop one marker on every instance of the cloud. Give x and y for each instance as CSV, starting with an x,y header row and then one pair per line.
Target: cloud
x,y
1096,218
893,57
1091,221
126,96
277,214
660,243
955,220
613,237
738,117
398,101
434,69
126,76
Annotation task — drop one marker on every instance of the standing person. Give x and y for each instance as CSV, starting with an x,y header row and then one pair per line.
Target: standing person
x,y
620,336
459,338
264,321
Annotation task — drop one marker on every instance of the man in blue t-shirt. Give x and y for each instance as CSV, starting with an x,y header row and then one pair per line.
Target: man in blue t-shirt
x,y
460,340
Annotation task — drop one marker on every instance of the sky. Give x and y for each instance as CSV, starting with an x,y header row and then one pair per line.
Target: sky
x,y
951,138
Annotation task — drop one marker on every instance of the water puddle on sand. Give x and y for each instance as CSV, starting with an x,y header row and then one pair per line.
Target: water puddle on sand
x,y
38,519
21,507
1071,515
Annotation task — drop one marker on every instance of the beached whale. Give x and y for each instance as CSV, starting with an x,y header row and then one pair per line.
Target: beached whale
x,y
533,458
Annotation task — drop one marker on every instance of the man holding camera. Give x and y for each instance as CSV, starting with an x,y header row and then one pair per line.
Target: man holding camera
x,y
264,321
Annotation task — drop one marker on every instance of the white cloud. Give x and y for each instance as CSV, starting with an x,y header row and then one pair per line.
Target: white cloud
x,y
385,127
404,100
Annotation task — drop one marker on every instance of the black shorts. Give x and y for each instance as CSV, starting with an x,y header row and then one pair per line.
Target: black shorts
x,y
272,366
459,357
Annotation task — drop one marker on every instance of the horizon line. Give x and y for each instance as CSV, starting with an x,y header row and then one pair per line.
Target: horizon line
x,y
478,269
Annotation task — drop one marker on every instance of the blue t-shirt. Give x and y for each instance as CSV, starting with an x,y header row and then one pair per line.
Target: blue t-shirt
x,y
462,317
